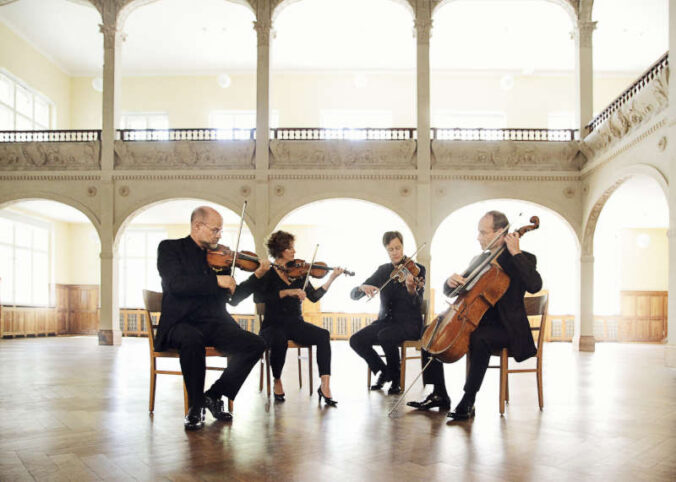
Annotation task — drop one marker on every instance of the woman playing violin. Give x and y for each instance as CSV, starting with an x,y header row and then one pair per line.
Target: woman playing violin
x,y
503,325
399,318
283,319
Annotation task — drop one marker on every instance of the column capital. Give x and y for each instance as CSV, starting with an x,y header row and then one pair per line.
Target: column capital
x,y
583,33
264,31
111,34
422,30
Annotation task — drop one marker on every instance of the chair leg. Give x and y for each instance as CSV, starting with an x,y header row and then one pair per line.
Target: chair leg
x,y
368,377
260,383
402,369
267,370
538,373
153,380
300,372
231,405
185,399
309,356
507,389
503,380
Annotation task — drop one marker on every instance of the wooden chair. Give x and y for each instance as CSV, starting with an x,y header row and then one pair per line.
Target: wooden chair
x,y
403,351
153,304
265,359
536,305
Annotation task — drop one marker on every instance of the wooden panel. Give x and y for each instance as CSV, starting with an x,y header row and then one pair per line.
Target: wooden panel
x,y
643,316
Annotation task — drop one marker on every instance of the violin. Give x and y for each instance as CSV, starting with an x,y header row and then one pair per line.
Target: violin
x,y
220,257
405,267
447,337
299,268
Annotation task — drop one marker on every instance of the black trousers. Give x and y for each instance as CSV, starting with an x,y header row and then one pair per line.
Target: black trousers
x,y
484,340
389,335
242,348
277,337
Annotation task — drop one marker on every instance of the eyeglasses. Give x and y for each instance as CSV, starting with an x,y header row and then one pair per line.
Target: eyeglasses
x,y
214,230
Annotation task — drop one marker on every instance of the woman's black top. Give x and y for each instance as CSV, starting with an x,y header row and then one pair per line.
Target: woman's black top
x,y
281,310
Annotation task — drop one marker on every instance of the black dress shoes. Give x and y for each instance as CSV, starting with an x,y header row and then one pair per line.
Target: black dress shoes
x,y
395,389
432,401
195,418
279,397
217,409
462,412
380,381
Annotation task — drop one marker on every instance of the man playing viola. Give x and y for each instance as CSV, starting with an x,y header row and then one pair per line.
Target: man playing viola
x,y
503,325
399,318
194,316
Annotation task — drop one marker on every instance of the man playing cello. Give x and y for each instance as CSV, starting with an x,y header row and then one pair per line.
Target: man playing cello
x,y
503,325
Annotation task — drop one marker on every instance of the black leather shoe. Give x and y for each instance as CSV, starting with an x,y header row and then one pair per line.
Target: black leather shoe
x,y
395,389
329,401
462,413
217,408
380,381
279,397
432,401
195,418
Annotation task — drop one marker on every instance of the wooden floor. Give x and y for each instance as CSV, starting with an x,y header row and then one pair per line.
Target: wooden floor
x,y
73,410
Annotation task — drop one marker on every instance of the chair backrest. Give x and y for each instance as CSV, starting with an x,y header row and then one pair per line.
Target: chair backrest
x,y
260,314
153,303
537,305
425,311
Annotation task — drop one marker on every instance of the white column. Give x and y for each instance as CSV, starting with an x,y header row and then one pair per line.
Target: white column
x,y
109,326
585,74
112,44
583,339
423,230
263,27
670,349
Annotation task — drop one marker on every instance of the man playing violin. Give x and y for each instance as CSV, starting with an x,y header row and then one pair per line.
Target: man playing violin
x,y
503,325
194,316
399,318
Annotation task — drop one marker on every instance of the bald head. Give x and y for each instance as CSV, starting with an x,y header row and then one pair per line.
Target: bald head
x,y
202,213
205,226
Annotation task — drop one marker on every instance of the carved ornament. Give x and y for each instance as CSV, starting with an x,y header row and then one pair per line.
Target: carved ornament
x,y
342,154
49,156
184,155
507,155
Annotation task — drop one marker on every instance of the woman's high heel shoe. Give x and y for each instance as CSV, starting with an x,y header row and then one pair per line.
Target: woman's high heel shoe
x,y
279,397
329,401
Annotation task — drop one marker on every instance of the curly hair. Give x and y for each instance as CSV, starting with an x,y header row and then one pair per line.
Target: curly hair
x,y
278,242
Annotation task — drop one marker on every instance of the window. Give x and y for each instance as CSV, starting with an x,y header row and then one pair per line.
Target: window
x,y
138,265
469,119
22,108
226,121
24,261
146,120
560,120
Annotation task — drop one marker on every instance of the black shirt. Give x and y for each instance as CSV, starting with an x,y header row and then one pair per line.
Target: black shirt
x,y
280,310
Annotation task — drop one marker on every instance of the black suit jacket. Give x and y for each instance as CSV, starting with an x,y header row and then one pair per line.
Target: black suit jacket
x,y
190,288
510,308
396,303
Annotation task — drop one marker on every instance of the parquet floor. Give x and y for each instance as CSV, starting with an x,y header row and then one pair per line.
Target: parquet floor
x,y
73,410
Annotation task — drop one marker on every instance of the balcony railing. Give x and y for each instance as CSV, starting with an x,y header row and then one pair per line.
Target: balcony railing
x,y
185,134
356,134
631,91
481,134
51,136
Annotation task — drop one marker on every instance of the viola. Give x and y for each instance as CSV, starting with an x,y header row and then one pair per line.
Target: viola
x,y
220,257
299,268
404,268
447,337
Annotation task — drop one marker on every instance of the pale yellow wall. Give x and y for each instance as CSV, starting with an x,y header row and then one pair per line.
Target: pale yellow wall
x,y
20,59
299,97
644,268
84,248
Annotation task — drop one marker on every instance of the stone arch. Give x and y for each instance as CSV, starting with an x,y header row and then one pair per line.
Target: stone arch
x,y
301,201
279,5
616,181
51,196
131,5
569,6
148,202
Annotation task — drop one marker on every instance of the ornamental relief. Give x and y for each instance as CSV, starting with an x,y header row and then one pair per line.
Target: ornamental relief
x,y
49,156
184,155
648,102
337,154
507,155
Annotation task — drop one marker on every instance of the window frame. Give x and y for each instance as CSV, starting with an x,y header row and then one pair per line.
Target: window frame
x,y
35,94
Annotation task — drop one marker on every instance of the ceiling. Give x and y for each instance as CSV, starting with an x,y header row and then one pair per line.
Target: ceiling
x,y
209,36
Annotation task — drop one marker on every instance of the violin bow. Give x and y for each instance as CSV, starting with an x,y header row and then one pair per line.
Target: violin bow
x,y
398,267
239,235
307,276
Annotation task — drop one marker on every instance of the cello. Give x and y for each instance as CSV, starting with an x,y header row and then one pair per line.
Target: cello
x,y
447,337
